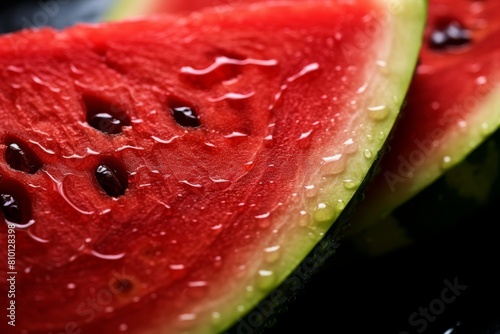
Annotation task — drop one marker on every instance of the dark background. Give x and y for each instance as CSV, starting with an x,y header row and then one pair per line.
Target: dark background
x,y
353,294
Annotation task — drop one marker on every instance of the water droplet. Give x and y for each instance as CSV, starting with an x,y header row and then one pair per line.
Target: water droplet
x,y
311,191
482,80
107,256
235,134
381,135
335,157
333,165
304,218
272,253
307,69
123,327
216,319
350,146
186,320
265,279
486,129
340,205
474,68
46,150
177,271
71,286
109,309
263,220
362,88
350,184
248,165
191,184
164,141
59,187
446,162
304,135
232,96
378,113
198,289
15,69
323,213
367,154
222,60
382,66
73,68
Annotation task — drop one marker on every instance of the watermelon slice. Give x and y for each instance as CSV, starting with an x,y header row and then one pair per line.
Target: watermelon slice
x,y
453,107
164,175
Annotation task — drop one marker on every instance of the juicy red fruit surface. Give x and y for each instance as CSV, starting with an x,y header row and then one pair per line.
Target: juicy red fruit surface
x,y
458,69
137,156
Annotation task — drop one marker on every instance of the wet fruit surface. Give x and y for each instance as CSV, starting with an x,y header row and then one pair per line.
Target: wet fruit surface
x,y
364,284
140,176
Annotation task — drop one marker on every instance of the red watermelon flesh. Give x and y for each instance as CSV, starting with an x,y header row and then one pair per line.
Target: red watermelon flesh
x,y
453,105
163,175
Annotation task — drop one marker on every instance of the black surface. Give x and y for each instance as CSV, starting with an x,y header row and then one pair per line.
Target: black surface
x,y
15,15
380,294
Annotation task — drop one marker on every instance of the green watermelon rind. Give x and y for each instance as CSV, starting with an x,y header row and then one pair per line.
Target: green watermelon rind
x,y
454,146
454,198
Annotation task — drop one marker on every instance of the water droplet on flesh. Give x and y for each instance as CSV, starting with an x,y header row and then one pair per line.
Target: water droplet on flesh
x,y
198,289
265,279
272,253
304,218
350,184
446,162
378,113
232,96
323,213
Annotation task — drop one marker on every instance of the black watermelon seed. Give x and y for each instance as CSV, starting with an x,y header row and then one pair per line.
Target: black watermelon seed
x,y
449,34
123,285
105,116
21,158
106,123
11,208
184,114
110,181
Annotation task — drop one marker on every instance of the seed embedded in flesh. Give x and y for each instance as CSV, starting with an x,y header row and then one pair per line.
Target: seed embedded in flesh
x,y
21,158
123,285
11,208
110,181
448,35
184,114
105,116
